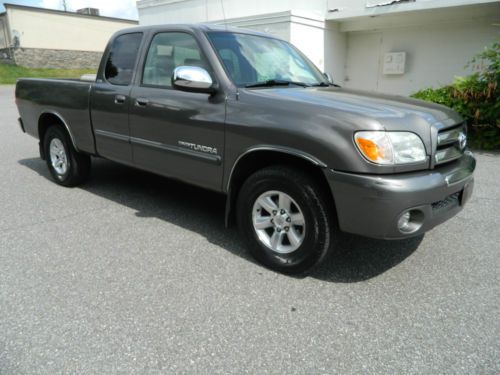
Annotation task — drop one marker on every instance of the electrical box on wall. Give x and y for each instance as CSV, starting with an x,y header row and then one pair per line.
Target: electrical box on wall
x,y
394,63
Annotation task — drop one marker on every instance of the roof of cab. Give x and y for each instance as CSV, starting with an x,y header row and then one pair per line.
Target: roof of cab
x,y
204,27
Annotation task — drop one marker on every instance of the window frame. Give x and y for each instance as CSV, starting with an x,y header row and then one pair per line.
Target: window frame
x,y
140,82
134,70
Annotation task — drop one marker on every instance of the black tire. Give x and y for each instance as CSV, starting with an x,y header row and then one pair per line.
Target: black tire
x,y
77,164
316,208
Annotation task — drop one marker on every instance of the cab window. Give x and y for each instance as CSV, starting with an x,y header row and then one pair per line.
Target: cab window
x,y
168,51
121,59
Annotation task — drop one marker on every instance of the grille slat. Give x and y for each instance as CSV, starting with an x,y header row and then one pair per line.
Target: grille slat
x,y
450,201
449,136
450,144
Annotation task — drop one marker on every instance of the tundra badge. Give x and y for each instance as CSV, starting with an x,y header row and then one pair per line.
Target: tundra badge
x,y
195,147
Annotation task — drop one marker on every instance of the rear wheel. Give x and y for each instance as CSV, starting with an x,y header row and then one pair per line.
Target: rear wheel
x,y
67,166
286,218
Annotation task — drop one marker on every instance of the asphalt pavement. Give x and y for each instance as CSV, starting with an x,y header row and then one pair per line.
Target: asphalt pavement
x,y
136,274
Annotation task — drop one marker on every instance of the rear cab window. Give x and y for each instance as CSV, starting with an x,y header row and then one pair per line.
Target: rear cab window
x,y
122,58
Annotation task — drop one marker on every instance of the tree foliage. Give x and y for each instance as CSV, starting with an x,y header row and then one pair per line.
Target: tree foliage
x,y
476,98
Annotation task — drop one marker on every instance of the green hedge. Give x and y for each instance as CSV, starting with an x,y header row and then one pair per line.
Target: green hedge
x,y
476,98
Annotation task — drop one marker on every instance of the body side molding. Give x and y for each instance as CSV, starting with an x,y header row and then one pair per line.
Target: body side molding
x,y
214,159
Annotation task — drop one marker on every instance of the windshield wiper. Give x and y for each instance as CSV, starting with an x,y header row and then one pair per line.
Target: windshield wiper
x,y
276,82
325,84
321,84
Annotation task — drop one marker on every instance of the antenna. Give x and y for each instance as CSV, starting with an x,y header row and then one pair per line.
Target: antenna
x,y
223,13
64,5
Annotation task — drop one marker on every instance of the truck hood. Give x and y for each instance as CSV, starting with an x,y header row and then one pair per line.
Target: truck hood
x,y
390,111
323,120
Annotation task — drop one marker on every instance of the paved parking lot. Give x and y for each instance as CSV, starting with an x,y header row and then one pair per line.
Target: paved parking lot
x,y
133,273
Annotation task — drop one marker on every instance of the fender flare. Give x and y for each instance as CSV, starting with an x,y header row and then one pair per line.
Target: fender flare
x,y
280,149
63,122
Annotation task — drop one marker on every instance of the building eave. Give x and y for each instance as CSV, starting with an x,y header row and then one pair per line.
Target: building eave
x,y
340,15
482,12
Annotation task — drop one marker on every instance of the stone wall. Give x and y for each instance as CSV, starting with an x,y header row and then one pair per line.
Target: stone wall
x,y
5,57
58,59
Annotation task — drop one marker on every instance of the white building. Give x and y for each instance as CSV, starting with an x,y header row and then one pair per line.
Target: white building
x,y
352,39
39,37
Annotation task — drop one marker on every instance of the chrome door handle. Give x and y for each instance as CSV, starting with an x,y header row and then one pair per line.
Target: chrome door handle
x,y
120,99
141,102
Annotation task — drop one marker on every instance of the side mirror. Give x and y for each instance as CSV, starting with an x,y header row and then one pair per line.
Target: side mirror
x,y
328,77
192,79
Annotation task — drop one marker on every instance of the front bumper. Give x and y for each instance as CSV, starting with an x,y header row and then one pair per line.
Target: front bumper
x,y
21,124
371,205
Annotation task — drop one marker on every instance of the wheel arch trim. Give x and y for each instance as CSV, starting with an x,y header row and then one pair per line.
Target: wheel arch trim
x,y
262,148
280,149
63,122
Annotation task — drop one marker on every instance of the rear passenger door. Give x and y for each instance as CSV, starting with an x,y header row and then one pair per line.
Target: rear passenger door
x,y
175,133
110,98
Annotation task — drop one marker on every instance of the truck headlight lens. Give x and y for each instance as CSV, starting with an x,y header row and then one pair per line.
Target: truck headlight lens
x,y
390,147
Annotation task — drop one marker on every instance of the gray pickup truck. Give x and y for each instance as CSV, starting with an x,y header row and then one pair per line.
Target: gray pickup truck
x,y
248,115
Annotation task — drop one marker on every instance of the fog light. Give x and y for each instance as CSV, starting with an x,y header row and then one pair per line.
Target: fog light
x,y
404,222
410,221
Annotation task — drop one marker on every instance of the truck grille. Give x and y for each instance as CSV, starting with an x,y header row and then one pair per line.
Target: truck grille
x,y
450,201
451,144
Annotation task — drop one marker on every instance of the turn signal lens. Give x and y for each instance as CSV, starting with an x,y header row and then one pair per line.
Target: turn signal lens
x,y
375,146
369,148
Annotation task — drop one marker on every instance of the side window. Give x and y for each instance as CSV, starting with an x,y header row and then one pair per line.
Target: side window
x,y
121,59
168,51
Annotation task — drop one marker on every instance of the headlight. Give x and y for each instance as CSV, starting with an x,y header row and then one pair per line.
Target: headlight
x,y
390,147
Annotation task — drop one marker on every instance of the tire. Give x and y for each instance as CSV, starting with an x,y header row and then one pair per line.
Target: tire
x,y
300,234
67,166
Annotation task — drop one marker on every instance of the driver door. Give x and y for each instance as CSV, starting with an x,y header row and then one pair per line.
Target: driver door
x,y
176,133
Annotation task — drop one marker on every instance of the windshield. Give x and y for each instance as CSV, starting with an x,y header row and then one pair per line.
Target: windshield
x,y
251,59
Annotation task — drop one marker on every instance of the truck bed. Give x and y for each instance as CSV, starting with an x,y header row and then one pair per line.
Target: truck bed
x,y
67,99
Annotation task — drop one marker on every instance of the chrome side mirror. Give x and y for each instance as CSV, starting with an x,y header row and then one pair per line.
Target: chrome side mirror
x,y
328,77
192,79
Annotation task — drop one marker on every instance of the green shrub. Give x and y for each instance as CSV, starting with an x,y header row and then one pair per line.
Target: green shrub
x,y
476,98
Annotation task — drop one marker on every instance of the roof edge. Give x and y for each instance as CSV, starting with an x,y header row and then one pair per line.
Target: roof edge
x,y
65,13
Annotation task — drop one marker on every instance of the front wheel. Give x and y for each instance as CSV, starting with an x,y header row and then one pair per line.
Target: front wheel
x,y
67,166
286,218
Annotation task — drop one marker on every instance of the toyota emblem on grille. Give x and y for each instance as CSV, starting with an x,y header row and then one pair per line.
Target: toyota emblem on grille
x,y
462,140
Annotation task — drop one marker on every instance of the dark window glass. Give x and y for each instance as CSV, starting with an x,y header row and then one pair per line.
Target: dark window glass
x,y
121,60
168,51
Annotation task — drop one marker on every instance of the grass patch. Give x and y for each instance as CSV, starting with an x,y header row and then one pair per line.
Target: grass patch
x,y
10,73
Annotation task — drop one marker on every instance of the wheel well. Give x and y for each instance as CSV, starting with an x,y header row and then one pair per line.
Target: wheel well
x,y
257,160
44,122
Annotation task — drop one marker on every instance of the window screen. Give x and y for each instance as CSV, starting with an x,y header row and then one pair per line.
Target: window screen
x,y
168,51
121,60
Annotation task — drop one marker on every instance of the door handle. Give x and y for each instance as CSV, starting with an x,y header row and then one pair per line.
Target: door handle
x,y
120,99
141,102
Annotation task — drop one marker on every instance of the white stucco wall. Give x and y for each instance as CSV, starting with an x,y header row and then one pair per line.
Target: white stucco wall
x,y
435,55
153,12
348,39
300,22
3,32
335,51
38,29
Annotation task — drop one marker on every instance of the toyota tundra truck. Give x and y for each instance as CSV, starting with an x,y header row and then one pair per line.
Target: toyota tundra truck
x,y
248,115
